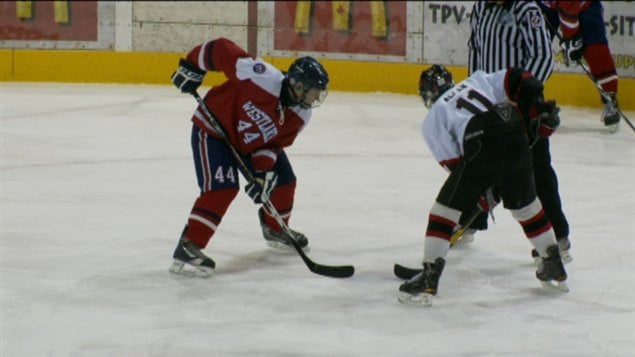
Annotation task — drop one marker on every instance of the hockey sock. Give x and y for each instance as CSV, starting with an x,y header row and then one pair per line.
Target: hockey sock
x,y
282,200
442,221
536,226
206,215
601,65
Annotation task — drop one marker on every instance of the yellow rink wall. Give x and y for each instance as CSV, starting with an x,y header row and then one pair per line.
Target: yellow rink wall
x,y
90,66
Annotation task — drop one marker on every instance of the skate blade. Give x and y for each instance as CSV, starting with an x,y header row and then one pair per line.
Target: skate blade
x,y
613,128
423,299
560,286
281,247
179,268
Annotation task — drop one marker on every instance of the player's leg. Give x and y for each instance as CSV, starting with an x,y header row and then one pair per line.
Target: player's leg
x,y
460,193
282,199
546,183
598,56
518,192
217,177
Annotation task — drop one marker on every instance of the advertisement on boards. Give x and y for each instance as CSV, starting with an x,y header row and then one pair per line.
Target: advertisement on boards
x,y
356,27
57,24
48,20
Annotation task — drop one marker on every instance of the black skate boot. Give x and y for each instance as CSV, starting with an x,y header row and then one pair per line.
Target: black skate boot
x,y
610,115
280,239
420,289
188,253
551,271
564,244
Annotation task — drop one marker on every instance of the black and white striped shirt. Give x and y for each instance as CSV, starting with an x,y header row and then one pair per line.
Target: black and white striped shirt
x,y
510,35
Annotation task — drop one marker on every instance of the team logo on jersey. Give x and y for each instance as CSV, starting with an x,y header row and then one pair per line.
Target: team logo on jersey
x,y
535,19
259,68
504,110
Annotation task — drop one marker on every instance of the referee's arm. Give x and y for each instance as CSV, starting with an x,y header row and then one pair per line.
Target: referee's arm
x,y
538,57
472,64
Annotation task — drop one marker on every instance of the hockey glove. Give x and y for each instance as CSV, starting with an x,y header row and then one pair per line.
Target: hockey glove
x,y
260,188
523,89
546,120
187,77
572,48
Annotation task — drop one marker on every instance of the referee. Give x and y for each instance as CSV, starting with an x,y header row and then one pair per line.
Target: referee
x,y
513,34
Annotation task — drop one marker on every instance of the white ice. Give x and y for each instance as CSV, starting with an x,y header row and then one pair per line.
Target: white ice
x,y
97,182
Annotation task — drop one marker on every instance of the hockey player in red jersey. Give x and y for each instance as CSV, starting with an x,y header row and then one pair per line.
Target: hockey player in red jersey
x,y
581,25
481,130
261,110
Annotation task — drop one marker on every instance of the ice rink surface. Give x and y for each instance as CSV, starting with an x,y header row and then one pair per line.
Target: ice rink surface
x,y
97,182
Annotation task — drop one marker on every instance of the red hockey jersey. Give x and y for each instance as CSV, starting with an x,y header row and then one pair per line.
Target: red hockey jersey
x,y
247,104
569,12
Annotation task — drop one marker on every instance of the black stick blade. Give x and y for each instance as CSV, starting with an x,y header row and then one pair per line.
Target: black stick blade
x,y
342,271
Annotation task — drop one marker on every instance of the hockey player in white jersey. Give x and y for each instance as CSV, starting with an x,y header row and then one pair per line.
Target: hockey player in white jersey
x,y
480,130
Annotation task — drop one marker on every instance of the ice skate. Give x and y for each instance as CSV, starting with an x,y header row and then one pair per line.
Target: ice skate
x,y
280,239
420,289
551,271
610,115
188,254
564,244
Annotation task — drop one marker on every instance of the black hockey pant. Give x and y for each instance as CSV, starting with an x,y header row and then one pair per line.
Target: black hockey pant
x,y
496,153
547,190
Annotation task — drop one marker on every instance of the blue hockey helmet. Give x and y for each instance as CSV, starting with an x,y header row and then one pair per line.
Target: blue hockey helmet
x,y
308,82
433,82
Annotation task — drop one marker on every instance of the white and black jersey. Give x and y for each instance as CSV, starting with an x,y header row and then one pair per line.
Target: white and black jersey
x,y
444,126
509,35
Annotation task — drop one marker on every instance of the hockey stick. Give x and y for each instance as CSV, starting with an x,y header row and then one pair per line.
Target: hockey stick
x,y
343,271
